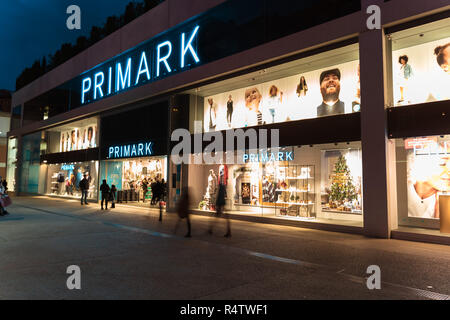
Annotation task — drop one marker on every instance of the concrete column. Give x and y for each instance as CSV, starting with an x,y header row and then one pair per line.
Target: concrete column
x,y
379,191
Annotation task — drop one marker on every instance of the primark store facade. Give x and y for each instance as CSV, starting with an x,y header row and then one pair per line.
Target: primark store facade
x,y
362,114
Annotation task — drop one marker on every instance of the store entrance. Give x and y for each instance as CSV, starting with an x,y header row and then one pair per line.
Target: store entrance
x,y
139,181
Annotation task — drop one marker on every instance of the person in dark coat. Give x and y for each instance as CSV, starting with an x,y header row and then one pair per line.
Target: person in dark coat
x,y
183,211
105,190
113,196
84,187
154,188
144,186
220,204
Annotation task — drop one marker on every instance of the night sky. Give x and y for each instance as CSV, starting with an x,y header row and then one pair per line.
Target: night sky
x,y
31,29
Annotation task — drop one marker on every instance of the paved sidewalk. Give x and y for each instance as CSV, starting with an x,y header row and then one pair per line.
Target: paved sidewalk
x,y
126,253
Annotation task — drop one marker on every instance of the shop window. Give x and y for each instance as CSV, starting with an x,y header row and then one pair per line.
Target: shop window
x,y
11,164
135,178
423,182
64,179
420,63
29,170
324,84
315,183
77,135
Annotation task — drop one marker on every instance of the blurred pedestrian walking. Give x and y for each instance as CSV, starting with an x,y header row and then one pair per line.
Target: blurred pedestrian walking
x,y
183,211
4,199
220,205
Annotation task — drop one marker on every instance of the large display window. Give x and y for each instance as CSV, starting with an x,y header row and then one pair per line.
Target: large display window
x,y
78,135
135,178
423,182
64,179
317,183
420,63
11,164
324,84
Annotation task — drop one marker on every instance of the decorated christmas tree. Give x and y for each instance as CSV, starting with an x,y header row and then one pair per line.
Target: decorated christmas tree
x,y
342,187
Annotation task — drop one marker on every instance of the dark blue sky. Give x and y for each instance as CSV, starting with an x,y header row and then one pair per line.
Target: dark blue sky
x,y
31,29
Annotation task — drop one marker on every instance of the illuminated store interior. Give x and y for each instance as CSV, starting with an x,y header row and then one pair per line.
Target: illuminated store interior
x,y
317,183
130,175
64,179
294,90
425,77
423,182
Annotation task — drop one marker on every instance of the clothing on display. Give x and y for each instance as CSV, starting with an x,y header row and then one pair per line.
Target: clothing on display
x,y
229,111
212,114
328,110
64,180
135,179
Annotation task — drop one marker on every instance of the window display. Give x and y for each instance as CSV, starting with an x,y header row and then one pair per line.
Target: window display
x,y
78,135
64,179
135,179
329,92
423,182
312,87
11,164
428,165
312,183
342,191
78,138
420,72
295,190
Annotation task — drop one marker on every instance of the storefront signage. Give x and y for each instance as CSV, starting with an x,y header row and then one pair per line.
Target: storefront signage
x,y
144,149
269,156
67,167
419,143
150,61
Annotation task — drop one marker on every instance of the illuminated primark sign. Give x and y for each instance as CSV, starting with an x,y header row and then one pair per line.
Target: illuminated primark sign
x,y
150,61
269,156
130,150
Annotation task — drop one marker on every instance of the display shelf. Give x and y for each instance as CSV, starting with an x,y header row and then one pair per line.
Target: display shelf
x,y
299,178
356,212
297,204
295,191
287,190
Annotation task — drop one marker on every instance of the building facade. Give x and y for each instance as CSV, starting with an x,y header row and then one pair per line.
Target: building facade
x,y
5,110
361,112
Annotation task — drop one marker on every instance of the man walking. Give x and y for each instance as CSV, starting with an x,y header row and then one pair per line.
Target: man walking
x,y
84,187
105,190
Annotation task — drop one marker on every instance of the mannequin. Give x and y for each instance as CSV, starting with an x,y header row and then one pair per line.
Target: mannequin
x,y
223,177
211,190
223,174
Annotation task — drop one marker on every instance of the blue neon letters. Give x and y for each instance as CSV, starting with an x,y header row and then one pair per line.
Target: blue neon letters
x,y
130,150
67,167
148,62
269,156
